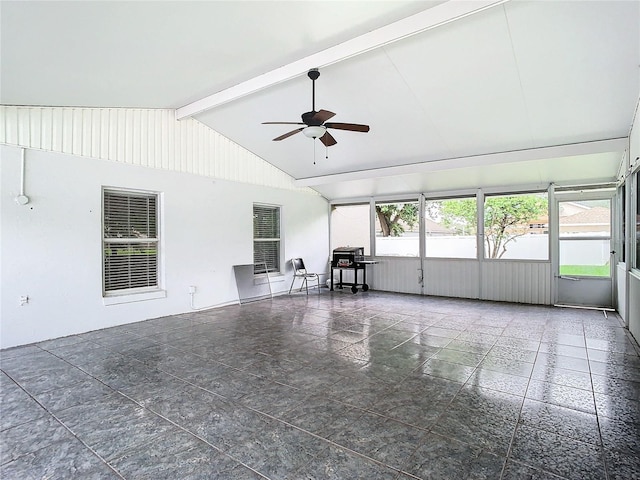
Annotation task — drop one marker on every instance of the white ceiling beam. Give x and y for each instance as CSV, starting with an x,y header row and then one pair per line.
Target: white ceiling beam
x,y
433,17
542,153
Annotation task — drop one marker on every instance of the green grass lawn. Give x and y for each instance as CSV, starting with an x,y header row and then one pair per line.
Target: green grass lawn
x,y
585,270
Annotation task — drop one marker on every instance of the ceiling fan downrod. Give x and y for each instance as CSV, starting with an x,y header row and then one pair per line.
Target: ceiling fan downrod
x,y
313,74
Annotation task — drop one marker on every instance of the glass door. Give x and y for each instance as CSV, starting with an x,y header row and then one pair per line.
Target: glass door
x,y
584,252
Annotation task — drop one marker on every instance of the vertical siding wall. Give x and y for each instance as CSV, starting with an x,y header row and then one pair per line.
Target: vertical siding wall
x,y
452,278
506,281
395,274
144,137
517,281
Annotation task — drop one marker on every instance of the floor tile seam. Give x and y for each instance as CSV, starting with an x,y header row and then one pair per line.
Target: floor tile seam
x,y
565,368
68,429
113,390
601,451
446,408
468,443
353,452
331,442
595,406
562,385
368,410
518,421
456,440
536,467
189,432
562,436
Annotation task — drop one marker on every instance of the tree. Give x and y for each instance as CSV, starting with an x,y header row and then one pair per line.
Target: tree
x,y
393,217
505,218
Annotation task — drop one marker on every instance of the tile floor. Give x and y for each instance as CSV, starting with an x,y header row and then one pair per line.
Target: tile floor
x,y
330,386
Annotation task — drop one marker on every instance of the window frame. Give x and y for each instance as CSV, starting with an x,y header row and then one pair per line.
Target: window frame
x,y
635,221
469,196
120,295
375,220
368,249
262,272
513,193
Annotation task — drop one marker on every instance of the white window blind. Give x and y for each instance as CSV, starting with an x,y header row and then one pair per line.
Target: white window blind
x,y
130,241
266,238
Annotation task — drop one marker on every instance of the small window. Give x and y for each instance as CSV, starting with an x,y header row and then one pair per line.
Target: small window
x,y
266,238
397,229
450,228
516,226
130,241
350,227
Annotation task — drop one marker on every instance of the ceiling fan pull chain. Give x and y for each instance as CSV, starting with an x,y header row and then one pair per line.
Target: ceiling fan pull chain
x,y
314,151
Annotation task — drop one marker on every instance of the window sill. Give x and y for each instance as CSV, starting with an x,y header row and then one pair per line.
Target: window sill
x,y
273,278
133,297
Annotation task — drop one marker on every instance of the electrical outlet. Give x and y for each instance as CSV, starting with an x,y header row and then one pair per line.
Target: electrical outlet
x,y
24,299
192,289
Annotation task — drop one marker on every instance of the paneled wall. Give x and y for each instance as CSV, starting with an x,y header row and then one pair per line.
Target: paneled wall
x,y
395,274
144,137
452,278
517,281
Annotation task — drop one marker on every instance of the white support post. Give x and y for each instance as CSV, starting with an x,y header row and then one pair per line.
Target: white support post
x,y
554,242
480,238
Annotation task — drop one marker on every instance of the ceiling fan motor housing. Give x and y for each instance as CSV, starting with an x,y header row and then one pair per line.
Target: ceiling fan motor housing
x,y
308,119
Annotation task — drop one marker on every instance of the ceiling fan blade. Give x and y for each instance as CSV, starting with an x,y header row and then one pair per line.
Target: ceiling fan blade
x,y
323,115
287,135
354,127
283,123
328,140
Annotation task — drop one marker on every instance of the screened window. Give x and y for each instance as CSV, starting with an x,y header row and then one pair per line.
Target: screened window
x,y
130,241
350,227
397,229
516,226
266,238
450,228
637,220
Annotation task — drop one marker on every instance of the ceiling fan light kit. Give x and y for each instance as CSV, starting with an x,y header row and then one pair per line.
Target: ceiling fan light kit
x,y
314,131
313,122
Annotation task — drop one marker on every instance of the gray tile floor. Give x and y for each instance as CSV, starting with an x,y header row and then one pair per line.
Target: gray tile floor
x,y
330,386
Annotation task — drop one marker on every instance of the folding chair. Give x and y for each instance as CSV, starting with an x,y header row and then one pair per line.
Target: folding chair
x,y
299,271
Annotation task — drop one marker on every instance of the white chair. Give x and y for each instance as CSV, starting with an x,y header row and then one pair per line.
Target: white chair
x,y
299,271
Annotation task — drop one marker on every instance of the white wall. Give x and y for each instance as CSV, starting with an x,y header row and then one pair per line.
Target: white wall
x,y
50,249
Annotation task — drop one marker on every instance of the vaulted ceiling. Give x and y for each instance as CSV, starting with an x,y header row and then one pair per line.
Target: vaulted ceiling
x,y
458,94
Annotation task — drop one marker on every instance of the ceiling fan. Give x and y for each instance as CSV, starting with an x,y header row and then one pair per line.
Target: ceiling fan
x,y
315,122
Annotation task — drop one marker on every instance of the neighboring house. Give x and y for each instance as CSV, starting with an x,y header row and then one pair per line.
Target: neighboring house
x,y
575,218
596,219
433,228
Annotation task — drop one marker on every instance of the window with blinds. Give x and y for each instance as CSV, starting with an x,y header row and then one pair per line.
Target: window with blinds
x,y
130,241
266,238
